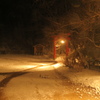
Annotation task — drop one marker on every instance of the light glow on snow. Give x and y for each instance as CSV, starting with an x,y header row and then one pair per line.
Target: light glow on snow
x,y
48,66
31,66
43,64
57,65
43,67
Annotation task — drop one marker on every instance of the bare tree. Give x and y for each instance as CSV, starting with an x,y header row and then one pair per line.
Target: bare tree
x,y
83,22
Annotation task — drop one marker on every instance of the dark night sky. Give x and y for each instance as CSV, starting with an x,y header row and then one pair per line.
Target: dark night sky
x,y
15,11
22,21
24,14
16,18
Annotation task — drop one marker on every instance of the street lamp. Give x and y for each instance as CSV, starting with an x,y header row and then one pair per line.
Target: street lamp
x,y
65,41
62,41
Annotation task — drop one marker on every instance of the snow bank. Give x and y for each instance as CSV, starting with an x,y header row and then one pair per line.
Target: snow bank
x,y
85,76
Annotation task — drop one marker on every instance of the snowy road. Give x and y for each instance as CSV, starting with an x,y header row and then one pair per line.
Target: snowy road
x,y
34,78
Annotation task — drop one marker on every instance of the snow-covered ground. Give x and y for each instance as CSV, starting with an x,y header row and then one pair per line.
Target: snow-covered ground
x,y
84,76
14,63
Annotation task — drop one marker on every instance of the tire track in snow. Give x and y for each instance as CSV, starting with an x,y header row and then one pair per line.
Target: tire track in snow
x,y
37,92
12,75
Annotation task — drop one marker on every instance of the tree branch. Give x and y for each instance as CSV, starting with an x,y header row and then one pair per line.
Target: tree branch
x,y
93,42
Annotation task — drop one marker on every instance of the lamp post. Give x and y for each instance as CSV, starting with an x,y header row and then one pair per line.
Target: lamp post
x,y
54,47
67,48
55,38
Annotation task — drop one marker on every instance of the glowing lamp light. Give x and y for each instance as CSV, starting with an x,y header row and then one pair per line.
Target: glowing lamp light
x,y
62,41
